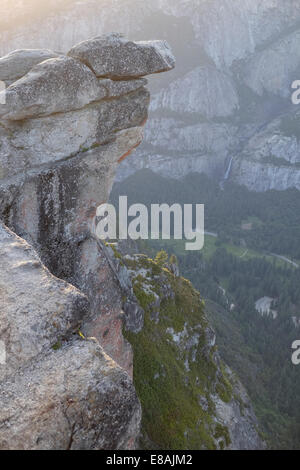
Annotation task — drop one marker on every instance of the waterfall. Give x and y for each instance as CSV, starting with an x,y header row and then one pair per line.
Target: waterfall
x,y
227,174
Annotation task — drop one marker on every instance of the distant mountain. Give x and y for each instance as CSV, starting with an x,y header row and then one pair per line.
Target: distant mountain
x,y
228,102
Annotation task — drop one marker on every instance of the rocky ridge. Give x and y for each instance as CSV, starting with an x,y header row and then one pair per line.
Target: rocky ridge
x,y
190,399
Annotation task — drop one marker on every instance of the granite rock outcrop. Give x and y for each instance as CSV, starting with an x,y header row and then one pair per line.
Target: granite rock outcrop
x,y
65,372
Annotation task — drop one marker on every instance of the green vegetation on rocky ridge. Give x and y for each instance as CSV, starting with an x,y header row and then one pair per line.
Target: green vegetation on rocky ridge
x,y
177,370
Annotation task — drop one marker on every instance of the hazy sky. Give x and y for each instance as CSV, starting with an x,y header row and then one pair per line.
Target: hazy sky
x,y
14,12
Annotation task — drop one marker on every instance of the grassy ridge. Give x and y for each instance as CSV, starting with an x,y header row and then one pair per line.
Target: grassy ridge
x,y
169,376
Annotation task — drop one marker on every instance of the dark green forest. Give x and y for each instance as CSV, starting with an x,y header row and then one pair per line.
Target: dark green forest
x,y
256,346
274,216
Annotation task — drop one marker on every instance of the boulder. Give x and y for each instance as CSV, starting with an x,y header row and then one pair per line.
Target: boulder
x,y
75,398
54,86
34,142
115,57
37,310
18,63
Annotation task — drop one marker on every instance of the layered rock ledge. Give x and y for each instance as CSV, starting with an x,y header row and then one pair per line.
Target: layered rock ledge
x,y
65,123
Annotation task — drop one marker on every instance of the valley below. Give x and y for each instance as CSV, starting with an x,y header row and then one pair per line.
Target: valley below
x,y
251,295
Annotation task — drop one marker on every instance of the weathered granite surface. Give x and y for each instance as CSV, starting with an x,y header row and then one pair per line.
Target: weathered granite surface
x,y
58,391
117,58
18,63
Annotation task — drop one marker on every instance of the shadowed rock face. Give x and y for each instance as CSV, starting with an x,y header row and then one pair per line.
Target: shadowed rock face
x,y
63,131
